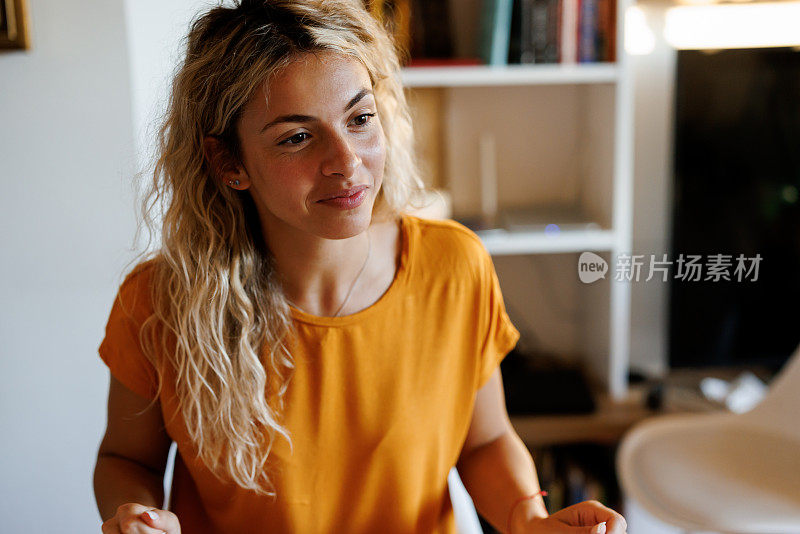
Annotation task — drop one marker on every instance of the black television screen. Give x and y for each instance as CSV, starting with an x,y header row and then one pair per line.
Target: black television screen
x,y
737,181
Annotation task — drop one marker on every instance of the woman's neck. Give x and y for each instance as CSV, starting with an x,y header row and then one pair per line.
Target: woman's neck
x,y
318,273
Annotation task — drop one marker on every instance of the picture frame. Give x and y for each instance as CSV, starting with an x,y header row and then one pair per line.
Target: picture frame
x,y
14,26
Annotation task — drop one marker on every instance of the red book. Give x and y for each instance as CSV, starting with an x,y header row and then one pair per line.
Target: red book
x,y
444,62
612,32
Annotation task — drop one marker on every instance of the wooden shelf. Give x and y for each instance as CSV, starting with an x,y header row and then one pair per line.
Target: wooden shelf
x,y
502,242
606,425
612,419
483,75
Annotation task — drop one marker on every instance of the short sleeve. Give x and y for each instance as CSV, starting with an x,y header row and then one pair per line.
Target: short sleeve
x,y
500,335
121,348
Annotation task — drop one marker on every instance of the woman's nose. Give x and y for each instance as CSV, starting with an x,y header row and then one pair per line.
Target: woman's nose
x,y
342,158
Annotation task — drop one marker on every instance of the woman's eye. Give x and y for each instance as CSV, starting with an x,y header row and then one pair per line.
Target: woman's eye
x,y
296,139
362,120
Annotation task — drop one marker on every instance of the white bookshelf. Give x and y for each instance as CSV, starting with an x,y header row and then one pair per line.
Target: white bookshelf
x,y
563,136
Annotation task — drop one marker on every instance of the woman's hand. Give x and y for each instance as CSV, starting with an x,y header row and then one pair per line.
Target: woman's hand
x,y
582,518
133,518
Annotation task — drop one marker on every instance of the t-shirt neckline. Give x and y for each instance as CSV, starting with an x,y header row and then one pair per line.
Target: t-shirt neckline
x,y
378,305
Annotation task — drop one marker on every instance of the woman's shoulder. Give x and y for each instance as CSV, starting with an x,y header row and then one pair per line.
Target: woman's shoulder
x,y
143,268
141,272
443,227
447,244
135,291
446,232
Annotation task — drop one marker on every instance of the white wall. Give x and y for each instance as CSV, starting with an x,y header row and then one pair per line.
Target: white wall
x,y
77,114
66,218
155,31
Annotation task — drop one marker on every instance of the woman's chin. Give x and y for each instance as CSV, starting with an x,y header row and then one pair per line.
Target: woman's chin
x,y
344,227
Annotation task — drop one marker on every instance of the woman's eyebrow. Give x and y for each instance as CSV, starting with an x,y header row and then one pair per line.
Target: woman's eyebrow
x,y
308,118
353,101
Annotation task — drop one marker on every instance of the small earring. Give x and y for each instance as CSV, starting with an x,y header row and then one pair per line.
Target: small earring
x,y
233,182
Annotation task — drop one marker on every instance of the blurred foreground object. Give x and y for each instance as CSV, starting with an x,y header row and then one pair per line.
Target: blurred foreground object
x,y
721,471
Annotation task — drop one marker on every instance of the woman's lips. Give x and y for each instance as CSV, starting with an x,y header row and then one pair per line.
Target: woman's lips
x,y
343,193
347,202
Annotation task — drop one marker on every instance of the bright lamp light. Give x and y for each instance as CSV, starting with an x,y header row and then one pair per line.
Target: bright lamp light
x,y
754,25
639,38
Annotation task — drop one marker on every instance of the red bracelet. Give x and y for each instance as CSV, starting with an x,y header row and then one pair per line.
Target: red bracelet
x,y
521,499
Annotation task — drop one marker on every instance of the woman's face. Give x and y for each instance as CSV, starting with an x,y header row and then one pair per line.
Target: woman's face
x,y
313,134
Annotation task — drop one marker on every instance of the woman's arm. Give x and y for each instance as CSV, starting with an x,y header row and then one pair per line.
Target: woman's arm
x,y
495,466
133,454
497,470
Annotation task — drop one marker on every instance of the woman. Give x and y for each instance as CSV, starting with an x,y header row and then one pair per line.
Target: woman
x,y
320,358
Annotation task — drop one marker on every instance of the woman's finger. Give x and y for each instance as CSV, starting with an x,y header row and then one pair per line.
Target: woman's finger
x,y
135,525
163,520
127,521
591,514
595,512
110,526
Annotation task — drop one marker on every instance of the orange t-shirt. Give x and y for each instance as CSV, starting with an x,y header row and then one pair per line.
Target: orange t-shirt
x,y
378,407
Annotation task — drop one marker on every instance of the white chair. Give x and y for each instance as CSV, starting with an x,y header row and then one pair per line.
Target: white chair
x,y
466,516
721,472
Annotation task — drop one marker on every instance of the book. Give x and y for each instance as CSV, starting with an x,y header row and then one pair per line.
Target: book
x,y
515,39
568,52
495,31
551,49
539,34
608,28
539,28
588,31
431,35
527,53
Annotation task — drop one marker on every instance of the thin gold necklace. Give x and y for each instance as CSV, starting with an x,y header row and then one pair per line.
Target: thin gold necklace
x,y
346,297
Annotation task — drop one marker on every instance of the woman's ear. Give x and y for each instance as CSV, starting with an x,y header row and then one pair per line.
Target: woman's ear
x,y
228,171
